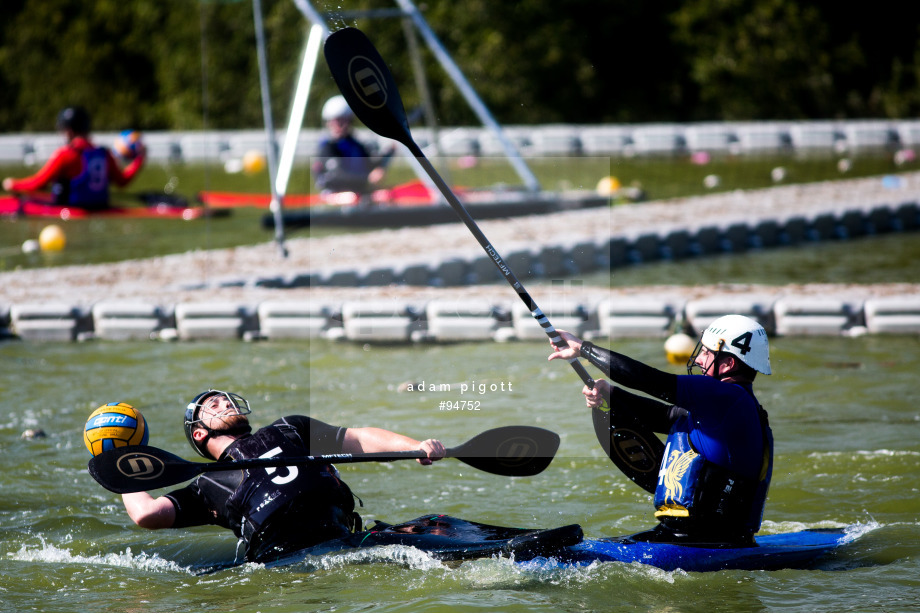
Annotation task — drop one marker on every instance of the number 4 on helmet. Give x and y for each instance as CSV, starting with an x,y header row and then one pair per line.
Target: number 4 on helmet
x,y
740,336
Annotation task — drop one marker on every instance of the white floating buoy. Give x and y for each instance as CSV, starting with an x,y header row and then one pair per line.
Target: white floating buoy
x,y
233,166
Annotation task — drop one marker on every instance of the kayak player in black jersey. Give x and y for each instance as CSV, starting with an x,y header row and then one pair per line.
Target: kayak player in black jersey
x,y
274,510
718,457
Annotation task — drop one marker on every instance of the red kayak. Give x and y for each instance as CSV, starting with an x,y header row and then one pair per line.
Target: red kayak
x,y
153,207
410,194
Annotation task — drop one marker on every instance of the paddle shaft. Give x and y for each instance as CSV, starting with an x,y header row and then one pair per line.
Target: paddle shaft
x,y
465,453
634,449
366,457
139,468
368,86
513,451
497,260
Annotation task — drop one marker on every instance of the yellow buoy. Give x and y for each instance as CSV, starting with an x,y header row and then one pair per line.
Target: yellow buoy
x,y
608,186
678,348
253,162
52,238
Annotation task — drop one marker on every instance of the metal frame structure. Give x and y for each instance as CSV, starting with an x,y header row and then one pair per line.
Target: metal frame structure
x,y
280,168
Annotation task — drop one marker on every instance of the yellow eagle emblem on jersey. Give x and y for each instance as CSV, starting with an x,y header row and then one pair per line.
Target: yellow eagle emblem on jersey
x,y
675,469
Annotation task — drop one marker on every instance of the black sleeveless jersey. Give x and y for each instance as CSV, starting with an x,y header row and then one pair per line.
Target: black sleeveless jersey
x,y
274,510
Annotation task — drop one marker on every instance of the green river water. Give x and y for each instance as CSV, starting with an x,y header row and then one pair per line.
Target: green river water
x,y
844,413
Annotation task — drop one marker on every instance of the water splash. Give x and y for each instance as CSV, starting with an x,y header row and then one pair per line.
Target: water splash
x,y
855,531
405,556
50,553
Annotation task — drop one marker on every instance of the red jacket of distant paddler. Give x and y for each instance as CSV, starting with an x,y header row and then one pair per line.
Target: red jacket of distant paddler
x,y
67,163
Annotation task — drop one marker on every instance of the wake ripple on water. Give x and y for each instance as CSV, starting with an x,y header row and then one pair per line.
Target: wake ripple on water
x,y
866,454
854,531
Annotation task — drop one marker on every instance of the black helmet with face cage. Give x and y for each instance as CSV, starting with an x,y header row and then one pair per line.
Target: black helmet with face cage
x,y
193,421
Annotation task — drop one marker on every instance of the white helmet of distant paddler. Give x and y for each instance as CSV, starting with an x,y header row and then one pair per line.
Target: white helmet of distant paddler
x,y
335,108
740,336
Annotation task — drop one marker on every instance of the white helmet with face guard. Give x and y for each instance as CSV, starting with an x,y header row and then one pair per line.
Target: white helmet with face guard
x,y
739,336
336,108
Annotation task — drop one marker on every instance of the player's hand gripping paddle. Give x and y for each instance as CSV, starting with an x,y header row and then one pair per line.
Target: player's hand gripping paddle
x,y
509,450
368,86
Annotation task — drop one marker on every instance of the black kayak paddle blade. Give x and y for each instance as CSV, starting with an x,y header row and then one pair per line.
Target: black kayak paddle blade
x,y
634,449
515,451
367,84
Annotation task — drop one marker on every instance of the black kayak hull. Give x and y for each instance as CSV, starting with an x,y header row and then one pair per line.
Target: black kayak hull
x,y
446,538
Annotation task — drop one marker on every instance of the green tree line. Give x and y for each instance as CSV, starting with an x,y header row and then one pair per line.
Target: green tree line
x,y
191,64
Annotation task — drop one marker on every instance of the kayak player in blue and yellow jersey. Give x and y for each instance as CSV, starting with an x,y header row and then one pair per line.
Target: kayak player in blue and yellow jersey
x,y
79,173
273,511
718,457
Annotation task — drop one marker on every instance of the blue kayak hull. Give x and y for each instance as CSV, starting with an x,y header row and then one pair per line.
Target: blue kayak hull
x,y
798,550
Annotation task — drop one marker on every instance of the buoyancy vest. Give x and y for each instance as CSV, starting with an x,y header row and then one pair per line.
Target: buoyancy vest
x,y
355,156
91,186
278,509
700,497
345,166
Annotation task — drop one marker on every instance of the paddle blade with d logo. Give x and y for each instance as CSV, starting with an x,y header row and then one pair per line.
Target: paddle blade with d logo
x,y
633,448
136,468
367,84
510,450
